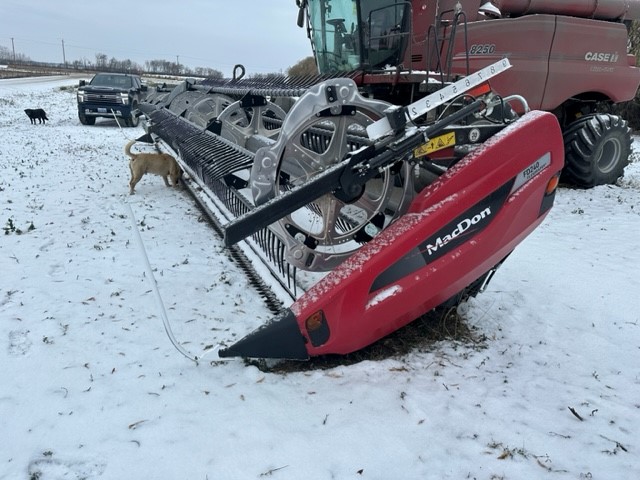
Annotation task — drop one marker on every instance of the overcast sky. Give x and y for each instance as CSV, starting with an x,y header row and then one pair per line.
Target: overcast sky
x,y
260,34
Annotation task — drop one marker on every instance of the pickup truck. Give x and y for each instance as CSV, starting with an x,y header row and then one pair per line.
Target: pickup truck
x,y
109,94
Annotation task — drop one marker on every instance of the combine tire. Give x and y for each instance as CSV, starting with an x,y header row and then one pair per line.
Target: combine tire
x,y
597,150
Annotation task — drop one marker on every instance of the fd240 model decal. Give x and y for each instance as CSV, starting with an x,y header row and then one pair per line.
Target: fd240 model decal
x,y
531,171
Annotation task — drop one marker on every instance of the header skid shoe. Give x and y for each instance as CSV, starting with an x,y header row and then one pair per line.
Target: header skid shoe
x,y
280,338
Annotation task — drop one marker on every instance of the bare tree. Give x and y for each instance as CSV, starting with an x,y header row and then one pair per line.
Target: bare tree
x,y
631,110
5,53
101,60
306,66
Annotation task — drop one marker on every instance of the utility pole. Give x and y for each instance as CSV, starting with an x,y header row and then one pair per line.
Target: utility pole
x,y
13,47
64,57
178,63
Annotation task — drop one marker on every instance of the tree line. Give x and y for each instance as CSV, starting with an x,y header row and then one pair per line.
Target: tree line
x,y
631,110
102,62
7,55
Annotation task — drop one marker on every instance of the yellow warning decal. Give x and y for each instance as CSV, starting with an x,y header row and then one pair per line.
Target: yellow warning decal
x,y
437,143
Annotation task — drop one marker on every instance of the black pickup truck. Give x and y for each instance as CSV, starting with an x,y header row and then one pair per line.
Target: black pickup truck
x,y
109,94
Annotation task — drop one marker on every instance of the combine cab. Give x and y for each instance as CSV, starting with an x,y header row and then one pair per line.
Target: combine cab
x,y
366,213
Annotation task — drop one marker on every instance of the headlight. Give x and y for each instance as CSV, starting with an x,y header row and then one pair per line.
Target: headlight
x,y
81,96
124,97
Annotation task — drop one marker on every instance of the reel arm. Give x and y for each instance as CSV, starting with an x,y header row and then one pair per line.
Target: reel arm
x,y
342,179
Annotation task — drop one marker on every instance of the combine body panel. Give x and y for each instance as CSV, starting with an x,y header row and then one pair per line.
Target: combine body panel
x,y
598,9
570,57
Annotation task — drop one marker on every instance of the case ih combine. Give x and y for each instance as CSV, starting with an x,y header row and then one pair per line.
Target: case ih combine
x,y
430,145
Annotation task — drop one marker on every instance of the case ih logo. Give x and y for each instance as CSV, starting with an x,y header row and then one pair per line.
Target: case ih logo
x,y
601,57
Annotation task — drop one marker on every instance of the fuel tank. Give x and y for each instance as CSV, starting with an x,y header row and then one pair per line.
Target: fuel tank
x,y
596,9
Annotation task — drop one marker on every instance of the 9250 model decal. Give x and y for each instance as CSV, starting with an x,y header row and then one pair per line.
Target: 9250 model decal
x,y
482,49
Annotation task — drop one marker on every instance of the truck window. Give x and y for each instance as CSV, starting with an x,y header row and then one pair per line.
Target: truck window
x,y
118,81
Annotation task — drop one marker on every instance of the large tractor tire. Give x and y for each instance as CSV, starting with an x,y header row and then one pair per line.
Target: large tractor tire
x,y
597,150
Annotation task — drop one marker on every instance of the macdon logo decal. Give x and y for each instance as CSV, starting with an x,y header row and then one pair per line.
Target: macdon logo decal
x,y
457,233
601,57
462,227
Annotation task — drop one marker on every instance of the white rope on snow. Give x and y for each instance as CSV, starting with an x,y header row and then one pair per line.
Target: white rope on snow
x,y
154,284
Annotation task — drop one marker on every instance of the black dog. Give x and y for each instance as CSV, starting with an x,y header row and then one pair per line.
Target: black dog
x,y
36,114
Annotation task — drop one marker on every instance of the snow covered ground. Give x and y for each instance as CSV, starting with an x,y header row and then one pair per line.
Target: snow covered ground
x,y
91,387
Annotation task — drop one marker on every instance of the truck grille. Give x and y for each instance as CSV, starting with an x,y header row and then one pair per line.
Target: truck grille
x,y
109,98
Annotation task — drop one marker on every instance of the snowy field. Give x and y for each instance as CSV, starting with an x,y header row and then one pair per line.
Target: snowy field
x,y
91,387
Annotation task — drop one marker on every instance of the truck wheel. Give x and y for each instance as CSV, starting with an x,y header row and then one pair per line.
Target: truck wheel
x,y
132,120
597,150
87,120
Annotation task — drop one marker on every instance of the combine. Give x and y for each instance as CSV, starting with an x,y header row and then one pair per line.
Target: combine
x,y
372,193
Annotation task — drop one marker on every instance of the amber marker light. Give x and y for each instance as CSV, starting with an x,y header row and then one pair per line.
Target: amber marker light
x,y
480,90
314,321
317,328
552,184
